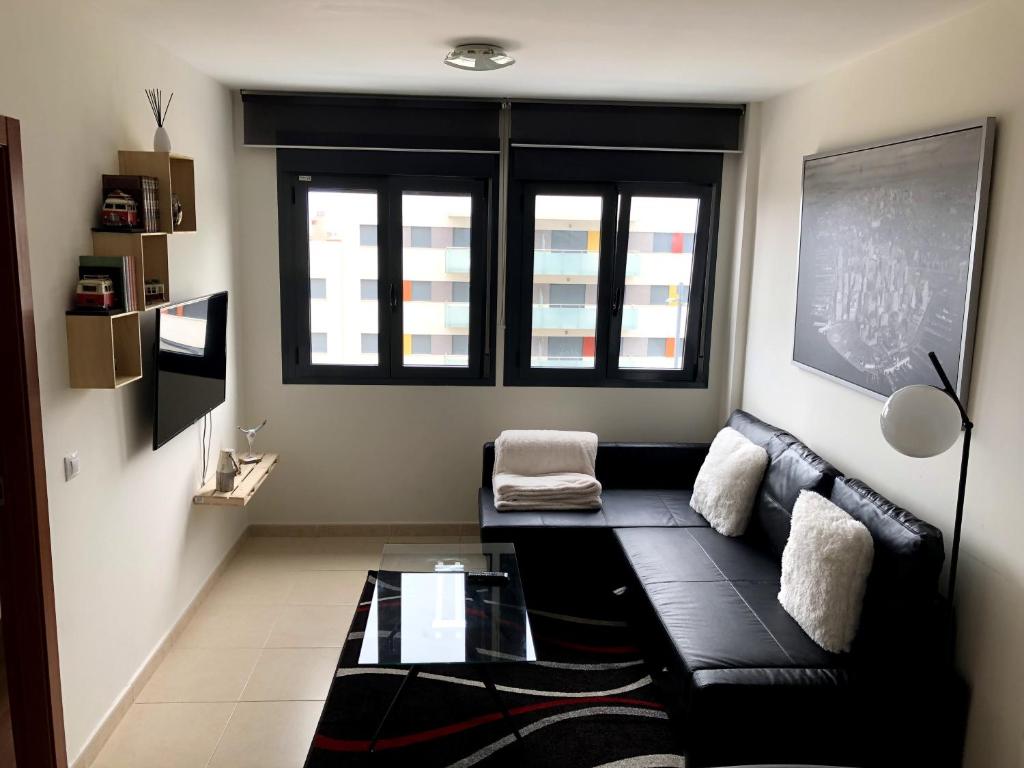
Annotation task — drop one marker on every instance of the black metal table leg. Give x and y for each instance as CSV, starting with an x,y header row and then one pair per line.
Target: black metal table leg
x,y
488,681
413,672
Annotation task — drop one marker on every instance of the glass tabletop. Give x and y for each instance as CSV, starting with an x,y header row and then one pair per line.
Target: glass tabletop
x,y
443,604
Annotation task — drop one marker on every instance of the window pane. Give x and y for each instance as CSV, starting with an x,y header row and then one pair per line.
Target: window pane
x,y
565,348
317,288
420,344
460,237
368,343
343,255
660,229
568,295
318,343
435,314
565,267
420,290
420,237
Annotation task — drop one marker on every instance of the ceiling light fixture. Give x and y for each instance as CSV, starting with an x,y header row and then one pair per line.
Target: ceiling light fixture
x,y
478,57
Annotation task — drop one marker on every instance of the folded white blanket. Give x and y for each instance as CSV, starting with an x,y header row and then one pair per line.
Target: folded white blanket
x,y
560,490
545,469
544,452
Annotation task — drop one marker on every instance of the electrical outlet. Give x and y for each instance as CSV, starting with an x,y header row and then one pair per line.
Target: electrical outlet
x,y
72,466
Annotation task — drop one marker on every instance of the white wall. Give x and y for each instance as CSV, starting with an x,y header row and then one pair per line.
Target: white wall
x,y
129,550
966,68
413,454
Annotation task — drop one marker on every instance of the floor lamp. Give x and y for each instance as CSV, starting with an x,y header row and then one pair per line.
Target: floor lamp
x,y
923,421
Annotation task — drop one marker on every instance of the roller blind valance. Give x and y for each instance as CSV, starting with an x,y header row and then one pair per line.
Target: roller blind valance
x,y
626,125
370,122
309,120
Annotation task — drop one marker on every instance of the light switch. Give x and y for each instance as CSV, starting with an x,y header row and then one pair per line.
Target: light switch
x,y
72,466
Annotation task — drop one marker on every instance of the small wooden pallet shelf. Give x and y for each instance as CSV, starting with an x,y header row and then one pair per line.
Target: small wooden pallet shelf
x,y
246,485
104,351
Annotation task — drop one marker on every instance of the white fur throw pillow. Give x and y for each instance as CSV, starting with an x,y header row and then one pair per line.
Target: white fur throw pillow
x,y
825,568
728,481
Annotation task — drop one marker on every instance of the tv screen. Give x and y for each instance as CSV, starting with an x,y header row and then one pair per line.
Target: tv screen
x,y
191,363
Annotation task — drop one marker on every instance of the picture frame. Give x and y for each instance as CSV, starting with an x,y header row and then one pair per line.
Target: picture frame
x,y
892,235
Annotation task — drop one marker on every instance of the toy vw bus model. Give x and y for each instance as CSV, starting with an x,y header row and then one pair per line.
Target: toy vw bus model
x,y
95,292
120,211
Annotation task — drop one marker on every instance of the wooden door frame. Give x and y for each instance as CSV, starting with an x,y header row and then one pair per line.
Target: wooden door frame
x,y
26,575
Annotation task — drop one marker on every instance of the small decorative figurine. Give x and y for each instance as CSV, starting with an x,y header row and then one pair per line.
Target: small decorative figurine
x,y
177,210
120,211
227,470
250,434
95,292
156,292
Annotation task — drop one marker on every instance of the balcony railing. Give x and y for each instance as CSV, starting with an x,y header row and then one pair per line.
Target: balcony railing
x,y
456,261
565,263
554,317
580,263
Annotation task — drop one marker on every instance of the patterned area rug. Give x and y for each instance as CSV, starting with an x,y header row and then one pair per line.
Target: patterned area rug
x,y
591,702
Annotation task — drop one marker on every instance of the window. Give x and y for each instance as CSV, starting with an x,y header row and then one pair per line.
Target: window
x,y
419,237
662,320
656,347
420,290
613,289
390,235
568,240
568,295
659,295
420,344
565,348
368,234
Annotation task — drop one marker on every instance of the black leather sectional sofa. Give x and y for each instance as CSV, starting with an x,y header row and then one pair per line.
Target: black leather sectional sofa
x,y
751,686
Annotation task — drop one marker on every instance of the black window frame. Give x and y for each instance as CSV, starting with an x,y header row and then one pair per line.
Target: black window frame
x,y
389,175
618,176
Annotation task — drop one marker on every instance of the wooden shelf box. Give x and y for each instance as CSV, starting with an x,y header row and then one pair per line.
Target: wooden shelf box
x,y
104,351
176,174
148,250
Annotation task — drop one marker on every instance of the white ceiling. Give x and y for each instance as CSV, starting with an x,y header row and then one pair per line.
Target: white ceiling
x,y
714,50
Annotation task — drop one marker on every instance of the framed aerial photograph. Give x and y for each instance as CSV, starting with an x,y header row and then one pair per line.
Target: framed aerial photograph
x,y
891,241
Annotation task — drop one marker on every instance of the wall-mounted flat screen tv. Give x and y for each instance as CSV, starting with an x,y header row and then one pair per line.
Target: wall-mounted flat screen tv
x,y
191,363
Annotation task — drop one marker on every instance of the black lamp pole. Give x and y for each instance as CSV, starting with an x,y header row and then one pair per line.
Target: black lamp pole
x,y
967,427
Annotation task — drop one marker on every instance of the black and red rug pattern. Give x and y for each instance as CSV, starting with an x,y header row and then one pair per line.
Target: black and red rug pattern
x,y
589,702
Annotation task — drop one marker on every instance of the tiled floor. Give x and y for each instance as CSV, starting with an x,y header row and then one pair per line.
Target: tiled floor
x,y
244,684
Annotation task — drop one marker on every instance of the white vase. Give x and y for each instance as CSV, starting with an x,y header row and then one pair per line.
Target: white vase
x,y
161,141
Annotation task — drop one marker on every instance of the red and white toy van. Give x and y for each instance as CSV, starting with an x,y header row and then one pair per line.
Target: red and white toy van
x,y
120,211
95,292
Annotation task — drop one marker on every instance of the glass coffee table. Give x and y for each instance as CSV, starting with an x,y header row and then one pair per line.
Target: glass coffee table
x,y
445,603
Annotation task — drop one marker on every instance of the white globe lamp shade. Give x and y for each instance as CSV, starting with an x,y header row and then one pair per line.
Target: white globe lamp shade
x,y
920,421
